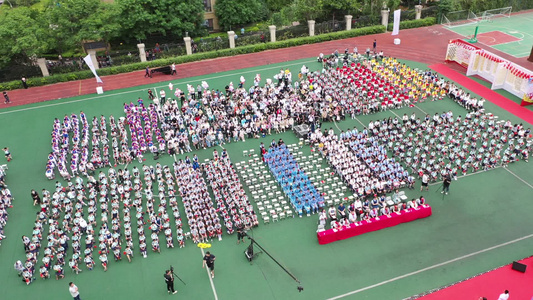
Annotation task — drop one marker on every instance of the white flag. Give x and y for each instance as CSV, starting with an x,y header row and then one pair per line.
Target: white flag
x,y
89,63
396,25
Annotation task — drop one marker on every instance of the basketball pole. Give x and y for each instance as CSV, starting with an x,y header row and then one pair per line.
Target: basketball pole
x,y
474,38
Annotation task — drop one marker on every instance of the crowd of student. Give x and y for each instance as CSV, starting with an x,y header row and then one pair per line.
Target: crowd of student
x,y
230,198
97,214
5,202
363,163
457,145
433,146
207,117
293,180
202,216
79,148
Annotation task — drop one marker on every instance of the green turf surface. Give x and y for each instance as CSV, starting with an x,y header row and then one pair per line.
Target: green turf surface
x,y
482,211
518,26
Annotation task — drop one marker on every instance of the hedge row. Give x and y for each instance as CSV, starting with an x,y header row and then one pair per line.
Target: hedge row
x,y
39,81
414,23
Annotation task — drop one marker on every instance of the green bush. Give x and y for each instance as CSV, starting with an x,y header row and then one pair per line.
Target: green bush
x,y
252,48
414,23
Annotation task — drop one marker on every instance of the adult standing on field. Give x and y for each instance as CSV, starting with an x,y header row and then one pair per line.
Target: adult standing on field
x,y
73,289
209,261
425,181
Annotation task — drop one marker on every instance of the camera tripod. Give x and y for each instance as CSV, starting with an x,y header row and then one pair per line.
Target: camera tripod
x,y
253,241
172,271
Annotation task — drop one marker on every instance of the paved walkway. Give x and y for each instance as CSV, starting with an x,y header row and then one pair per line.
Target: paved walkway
x,y
426,45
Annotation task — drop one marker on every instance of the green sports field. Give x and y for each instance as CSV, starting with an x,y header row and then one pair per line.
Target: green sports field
x,y
483,223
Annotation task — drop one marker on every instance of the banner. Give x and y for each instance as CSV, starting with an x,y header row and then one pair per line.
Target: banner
x,y
396,26
89,63
528,96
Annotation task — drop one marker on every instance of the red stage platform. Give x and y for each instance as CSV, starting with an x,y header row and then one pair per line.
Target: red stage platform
x,y
491,285
408,215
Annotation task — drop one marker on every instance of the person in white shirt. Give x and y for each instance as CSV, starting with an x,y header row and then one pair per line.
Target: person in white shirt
x,y
73,289
352,217
163,97
425,180
504,295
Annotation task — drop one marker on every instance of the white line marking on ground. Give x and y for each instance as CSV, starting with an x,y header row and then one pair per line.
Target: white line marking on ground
x,y
336,125
431,267
470,174
512,173
397,116
421,109
210,279
360,122
140,90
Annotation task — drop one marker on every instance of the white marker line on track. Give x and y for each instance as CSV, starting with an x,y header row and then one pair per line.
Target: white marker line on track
x,y
140,90
431,267
336,125
210,279
360,122
470,174
512,173
397,116
421,110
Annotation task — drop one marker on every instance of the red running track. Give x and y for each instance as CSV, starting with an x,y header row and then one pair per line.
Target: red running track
x,y
485,92
491,285
426,45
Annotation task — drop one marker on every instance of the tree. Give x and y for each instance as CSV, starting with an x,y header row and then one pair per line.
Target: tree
x,y
307,9
17,3
141,18
22,34
339,7
70,22
277,5
102,24
232,13
444,7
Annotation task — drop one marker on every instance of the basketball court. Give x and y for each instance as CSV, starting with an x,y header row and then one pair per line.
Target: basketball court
x,y
510,34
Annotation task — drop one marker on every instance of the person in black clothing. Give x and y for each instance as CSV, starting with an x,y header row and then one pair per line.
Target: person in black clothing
x,y
147,74
169,279
446,184
209,260
24,83
7,98
240,234
35,197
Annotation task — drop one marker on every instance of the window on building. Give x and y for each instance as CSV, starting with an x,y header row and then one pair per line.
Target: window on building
x,y
207,6
209,24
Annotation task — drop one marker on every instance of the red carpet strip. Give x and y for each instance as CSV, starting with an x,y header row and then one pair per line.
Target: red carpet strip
x,y
491,285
